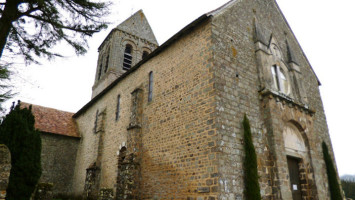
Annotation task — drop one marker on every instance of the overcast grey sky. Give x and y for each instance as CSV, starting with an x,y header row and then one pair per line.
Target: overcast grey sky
x,y
324,28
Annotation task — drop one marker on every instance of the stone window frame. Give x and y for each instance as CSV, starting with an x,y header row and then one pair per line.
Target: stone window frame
x,y
280,79
125,43
107,60
103,69
150,86
99,72
99,69
117,114
145,52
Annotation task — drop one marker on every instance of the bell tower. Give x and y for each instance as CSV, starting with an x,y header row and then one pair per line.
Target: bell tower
x,y
125,46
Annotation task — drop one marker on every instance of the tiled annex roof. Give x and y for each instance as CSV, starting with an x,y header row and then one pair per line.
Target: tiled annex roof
x,y
53,121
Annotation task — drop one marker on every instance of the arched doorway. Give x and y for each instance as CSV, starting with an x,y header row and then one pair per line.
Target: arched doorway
x,y
298,161
5,167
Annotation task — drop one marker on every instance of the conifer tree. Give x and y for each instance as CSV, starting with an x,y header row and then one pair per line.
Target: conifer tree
x,y
17,132
31,27
5,90
334,186
251,178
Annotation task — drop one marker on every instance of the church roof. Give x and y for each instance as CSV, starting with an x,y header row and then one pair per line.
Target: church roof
x,y
138,25
53,121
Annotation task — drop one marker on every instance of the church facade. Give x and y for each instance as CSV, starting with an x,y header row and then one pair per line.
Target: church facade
x,y
165,122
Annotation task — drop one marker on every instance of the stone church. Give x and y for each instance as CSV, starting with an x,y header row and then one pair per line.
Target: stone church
x,y
165,121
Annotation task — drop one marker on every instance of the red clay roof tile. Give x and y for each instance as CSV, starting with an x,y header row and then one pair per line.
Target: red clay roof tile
x,y
54,121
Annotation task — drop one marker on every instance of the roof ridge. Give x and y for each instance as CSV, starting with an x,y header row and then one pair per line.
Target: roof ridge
x,y
26,103
219,9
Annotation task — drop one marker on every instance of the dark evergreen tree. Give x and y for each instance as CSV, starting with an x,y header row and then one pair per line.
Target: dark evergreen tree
x,y
18,133
349,188
32,27
5,91
334,186
251,178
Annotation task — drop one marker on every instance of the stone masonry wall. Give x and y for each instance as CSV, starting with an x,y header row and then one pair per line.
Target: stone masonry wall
x,y
237,85
114,47
5,167
58,160
178,134
191,133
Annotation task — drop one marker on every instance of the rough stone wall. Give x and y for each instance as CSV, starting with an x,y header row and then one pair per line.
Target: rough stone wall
x,y
58,160
191,142
236,82
238,85
5,167
178,134
114,47
280,113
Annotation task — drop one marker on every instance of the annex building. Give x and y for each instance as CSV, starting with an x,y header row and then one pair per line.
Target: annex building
x,y
165,121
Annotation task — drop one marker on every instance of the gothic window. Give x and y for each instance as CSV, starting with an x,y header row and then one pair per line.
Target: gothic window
x,y
145,54
100,70
118,107
127,58
279,79
107,60
150,87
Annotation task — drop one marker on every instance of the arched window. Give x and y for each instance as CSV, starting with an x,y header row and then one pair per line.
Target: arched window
x,y
145,54
100,70
107,60
127,58
279,79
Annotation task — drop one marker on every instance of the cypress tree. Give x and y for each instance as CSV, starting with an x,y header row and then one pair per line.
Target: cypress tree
x,y
334,187
17,132
252,188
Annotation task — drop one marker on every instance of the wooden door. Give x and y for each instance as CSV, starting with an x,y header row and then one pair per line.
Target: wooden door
x,y
293,168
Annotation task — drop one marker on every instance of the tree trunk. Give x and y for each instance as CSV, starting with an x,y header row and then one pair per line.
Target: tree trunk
x,y
9,15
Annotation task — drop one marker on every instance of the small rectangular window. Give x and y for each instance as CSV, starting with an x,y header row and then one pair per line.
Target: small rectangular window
x,y
150,88
118,108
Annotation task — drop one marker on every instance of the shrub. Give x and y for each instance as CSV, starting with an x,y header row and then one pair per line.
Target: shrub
x,y
252,188
17,132
334,187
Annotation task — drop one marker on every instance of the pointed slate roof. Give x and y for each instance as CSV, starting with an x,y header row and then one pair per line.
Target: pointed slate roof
x,y
138,25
